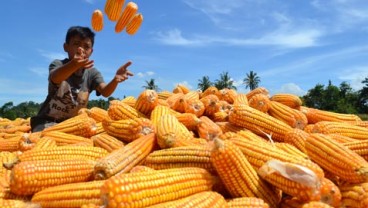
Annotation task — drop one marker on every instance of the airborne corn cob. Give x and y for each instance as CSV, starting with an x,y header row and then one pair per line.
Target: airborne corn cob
x,y
107,142
30,177
130,9
72,195
113,9
202,199
176,157
142,189
97,20
125,158
134,24
258,122
337,158
242,180
247,202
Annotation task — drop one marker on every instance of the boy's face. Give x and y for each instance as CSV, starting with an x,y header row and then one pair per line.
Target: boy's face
x,y
75,42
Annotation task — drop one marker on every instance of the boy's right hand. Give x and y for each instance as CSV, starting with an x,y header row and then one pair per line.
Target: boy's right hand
x,y
80,60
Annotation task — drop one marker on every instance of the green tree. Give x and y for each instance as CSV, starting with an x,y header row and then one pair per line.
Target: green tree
x,y
314,97
225,81
363,97
204,83
151,85
331,96
251,80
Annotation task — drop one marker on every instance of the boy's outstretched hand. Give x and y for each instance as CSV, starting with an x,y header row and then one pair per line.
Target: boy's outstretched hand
x,y
123,73
80,59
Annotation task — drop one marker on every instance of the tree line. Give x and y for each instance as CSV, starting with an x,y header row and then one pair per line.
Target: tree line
x,y
340,99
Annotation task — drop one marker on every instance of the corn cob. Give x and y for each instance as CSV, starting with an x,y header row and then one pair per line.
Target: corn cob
x,y
146,102
134,24
10,144
342,128
297,137
337,158
176,157
309,128
315,204
164,94
343,139
58,153
97,20
12,203
210,104
208,129
189,120
291,100
202,199
162,102
107,142
90,205
220,116
359,147
129,11
291,149
130,100
227,95
258,90
242,180
247,202
315,115
98,114
45,143
69,195
228,127
113,9
290,116
157,112
63,138
212,90
241,99
191,95
29,177
177,102
140,168
16,129
128,130
260,102
359,123
330,193
80,125
223,106
28,141
194,106
125,158
258,122
148,188
99,128
354,195
119,110
180,88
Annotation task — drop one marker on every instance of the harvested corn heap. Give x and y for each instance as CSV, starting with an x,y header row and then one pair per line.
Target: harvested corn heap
x,y
219,148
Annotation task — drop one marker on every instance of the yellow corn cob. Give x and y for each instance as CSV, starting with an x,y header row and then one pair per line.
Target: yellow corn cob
x,y
80,125
113,9
220,116
157,112
90,205
28,141
241,99
128,130
223,106
10,144
258,90
57,153
309,128
291,149
143,189
63,138
97,20
297,137
69,195
134,24
181,88
337,158
291,100
12,203
194,106
359,123
176,157
342,128
99,128
212,90
316,115
177,102
129,11
45,143
189,120
120,110
164,94
162,102
202,199
125,158
343,139
228,127
290,116
354,195
249,135
208,129
107,142
98,114
130,100
359,147
29,177
228,135
260,102
210,104
191,95
247,202
258,122
140,168
242,180
227,95
146,102
330,193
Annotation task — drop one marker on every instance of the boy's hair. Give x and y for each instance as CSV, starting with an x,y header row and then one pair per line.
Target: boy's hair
x,y
83,32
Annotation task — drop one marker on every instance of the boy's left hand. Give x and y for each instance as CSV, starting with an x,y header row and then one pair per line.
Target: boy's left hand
x,y
123,73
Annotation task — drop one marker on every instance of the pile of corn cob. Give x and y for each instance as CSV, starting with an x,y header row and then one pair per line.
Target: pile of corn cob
x,y
183,148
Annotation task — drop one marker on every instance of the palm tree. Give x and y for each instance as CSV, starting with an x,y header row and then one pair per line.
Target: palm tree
x,y
225,81
204,83
151,85
251,81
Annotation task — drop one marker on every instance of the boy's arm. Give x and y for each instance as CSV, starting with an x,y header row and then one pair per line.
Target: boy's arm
x,y
121,75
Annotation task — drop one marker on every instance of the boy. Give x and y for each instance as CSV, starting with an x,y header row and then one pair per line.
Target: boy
x,y
72,80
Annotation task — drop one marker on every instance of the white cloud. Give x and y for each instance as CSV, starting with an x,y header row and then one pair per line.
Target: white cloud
x,y
40,71
291,88
355,76
90,1
145,74
50,56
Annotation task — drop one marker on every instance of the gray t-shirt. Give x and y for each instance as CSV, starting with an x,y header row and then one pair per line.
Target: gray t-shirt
x,y
64,100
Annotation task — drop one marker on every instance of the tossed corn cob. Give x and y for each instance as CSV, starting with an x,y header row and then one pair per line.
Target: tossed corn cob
x,y
134,24
130,9
337,158
30,177
97,20
164,94
247,202
180,88
113,9
202,199
176,157
125,158
242,180
107,142
72,195
148,188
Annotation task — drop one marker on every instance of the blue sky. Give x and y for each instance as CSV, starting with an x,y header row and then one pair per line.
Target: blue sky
x,y
291,45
